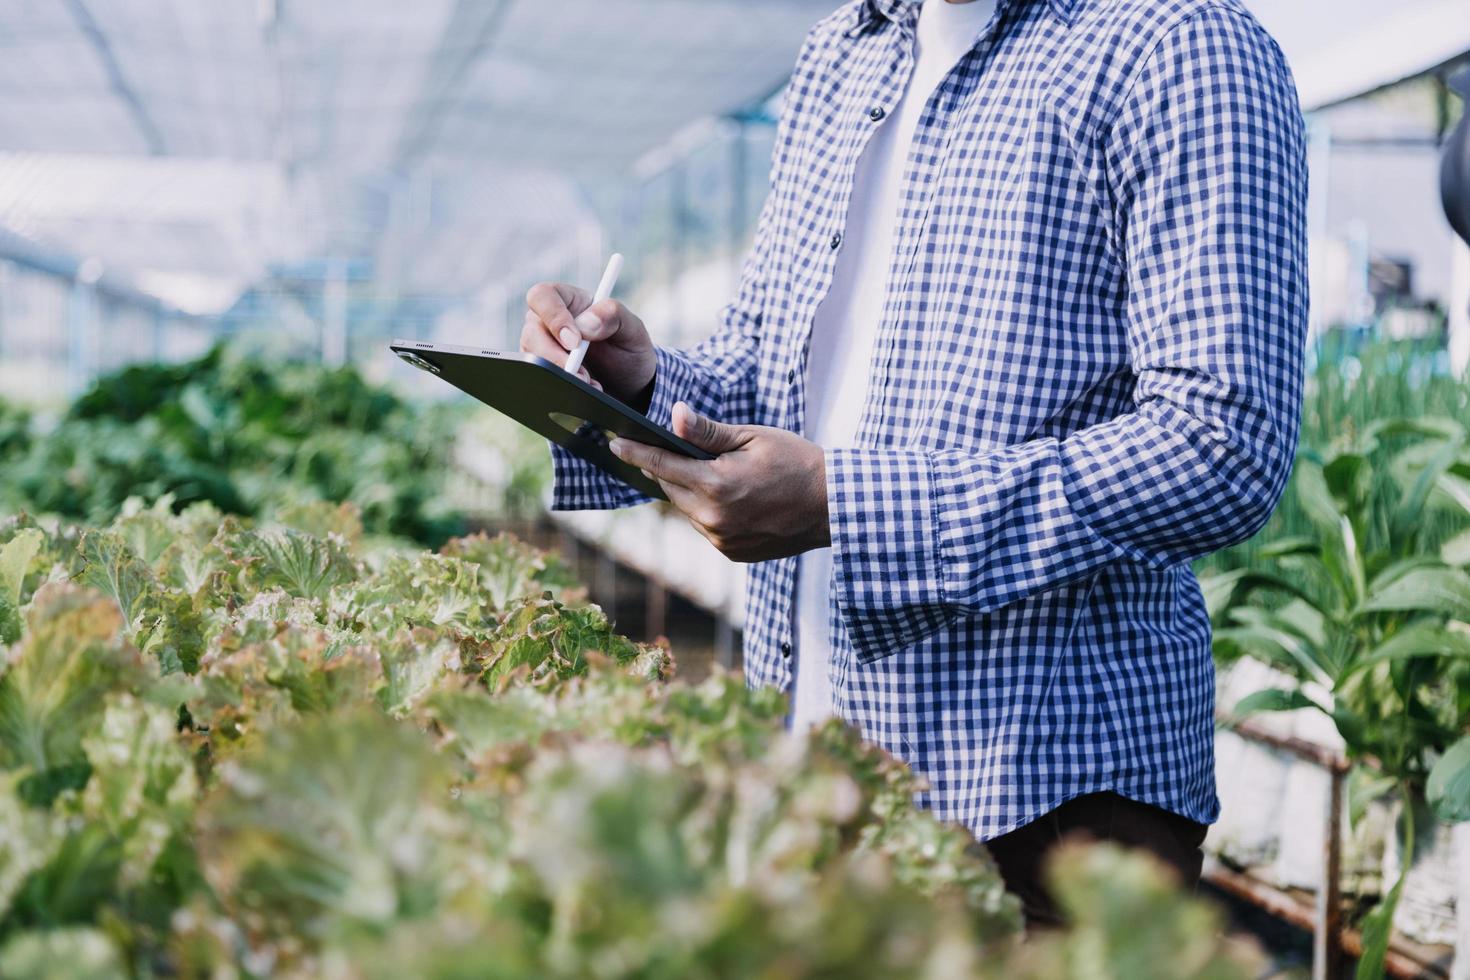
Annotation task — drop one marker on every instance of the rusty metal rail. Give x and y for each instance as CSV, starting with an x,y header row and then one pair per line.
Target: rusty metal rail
x,y
1331,940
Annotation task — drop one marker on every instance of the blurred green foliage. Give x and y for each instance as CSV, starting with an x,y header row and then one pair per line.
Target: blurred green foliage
x,y
1353,384
1358,590
248,435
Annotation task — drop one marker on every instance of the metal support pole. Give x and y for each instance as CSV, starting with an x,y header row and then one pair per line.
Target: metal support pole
x,y
7,280
1327,917
606,579
159,353
656,610
724,642
334,315
678,241
1332,940
739,193
1319,155
81,316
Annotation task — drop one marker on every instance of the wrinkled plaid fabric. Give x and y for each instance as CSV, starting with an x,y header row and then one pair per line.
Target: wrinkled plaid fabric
x,y
1088,374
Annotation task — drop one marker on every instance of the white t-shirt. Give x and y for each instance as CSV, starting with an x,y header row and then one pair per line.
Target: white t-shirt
x,y
846,324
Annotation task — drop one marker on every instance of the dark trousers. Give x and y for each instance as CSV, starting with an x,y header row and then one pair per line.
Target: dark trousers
x,y
1021,855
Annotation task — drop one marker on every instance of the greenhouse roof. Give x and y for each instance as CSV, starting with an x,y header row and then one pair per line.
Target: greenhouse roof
x,y
197,142
194,144
382,85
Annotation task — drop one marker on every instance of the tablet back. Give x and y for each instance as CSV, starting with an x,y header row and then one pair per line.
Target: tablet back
x,y
551,402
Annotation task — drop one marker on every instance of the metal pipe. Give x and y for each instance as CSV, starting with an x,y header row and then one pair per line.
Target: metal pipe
x,y
1318,755
1398,963
1327,918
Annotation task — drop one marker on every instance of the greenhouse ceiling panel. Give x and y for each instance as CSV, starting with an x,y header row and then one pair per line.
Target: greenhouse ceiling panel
x,y
382,85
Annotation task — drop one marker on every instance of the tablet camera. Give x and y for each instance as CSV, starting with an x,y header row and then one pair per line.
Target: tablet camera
x,y
408,357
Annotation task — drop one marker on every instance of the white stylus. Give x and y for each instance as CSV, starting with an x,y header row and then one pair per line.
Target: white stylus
x,y
604,291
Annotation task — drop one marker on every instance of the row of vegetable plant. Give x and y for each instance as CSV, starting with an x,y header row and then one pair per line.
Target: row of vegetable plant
x,y
240,749
250,434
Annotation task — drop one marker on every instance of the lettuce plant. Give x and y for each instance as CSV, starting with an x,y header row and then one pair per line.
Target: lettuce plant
x,y
247,434
240,749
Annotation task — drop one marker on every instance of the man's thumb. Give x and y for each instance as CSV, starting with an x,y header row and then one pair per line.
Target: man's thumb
x,y
707,434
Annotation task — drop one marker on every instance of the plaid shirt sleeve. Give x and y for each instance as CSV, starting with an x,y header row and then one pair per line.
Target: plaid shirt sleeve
x,y
717,378
1205,167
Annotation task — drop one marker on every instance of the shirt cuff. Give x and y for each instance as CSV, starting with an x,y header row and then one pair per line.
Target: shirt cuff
x,y
578,485
922,539
678,380
889,589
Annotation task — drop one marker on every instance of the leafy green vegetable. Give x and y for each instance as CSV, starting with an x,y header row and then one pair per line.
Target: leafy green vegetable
x,y
1448,789
1369,613
329,824
240,749
304,566
52,691
1128,924
249,436
15,561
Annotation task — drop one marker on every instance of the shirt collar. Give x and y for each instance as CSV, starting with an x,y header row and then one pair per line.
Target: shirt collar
x,y
871,10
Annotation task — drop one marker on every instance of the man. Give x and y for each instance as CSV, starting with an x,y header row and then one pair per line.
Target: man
x,y
1020,336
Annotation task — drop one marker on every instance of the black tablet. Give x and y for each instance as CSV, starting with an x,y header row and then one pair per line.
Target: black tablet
x,y
560,406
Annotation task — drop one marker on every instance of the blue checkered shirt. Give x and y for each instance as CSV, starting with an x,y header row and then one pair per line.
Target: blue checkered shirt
x,y
1088,373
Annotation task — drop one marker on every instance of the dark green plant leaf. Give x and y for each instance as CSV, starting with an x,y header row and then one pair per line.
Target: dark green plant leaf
x,y
1407,520
1377,929
1272,699
1339,538
10,621
1347,476
1423,639
1353,729
1393,571
1278,642
1289,547
1448,789
1316,498
1231,588
1428,426
71,887
1442,591
1365,787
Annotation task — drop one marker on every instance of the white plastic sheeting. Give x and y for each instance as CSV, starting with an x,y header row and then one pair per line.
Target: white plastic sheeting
x,y
379,85
191,145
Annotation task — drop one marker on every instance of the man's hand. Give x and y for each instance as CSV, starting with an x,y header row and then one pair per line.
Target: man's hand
x,y
621,359
764,495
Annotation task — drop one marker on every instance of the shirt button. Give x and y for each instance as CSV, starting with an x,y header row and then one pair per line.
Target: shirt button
x,y
877,113
836,240
791,376
786,650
